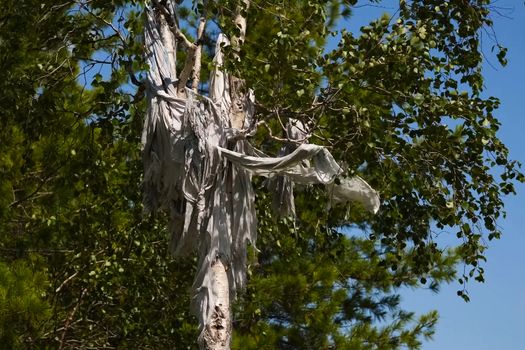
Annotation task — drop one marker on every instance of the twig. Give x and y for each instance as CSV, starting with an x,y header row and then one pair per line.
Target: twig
x,y
281,139
66,281
32,194
132,77
127,64
70,318
106,22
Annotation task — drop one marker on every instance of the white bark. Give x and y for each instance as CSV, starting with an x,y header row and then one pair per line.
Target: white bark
x,y
237,85
217,333
196,75
170,44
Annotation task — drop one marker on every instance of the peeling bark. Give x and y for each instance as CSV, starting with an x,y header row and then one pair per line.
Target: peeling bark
x,y
240,22
238,96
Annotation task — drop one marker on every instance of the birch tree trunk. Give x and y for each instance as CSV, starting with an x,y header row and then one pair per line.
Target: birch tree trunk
x,y
196,167
217,333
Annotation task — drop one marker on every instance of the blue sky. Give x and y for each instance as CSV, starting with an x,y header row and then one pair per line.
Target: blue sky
x,y
495,316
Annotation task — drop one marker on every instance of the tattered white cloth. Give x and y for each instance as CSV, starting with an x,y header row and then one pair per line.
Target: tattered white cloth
x,y
198,169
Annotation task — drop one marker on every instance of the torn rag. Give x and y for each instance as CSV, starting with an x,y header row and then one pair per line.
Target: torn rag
x,y
194,170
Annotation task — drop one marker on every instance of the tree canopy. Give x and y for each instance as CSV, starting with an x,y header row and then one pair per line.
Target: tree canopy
x,y
399,102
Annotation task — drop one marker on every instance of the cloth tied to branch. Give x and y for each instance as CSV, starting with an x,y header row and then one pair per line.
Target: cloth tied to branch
x,y
200,172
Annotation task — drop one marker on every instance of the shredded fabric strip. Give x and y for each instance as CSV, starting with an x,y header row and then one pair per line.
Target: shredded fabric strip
x,y
200,173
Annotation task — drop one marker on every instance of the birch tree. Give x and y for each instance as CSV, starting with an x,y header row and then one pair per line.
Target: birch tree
x,y
198,163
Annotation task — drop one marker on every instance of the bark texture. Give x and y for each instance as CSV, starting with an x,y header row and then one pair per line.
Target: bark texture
x,y
217,333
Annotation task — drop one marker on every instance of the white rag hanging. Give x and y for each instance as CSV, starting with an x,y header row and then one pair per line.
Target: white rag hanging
x,y
194,170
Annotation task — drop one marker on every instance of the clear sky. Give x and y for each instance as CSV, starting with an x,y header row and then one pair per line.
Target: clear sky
x,y
495,317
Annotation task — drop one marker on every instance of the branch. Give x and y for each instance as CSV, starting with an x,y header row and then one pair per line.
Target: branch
x,y
198,53
237,86
281,139
106,22
132,77
186,71
66,281
192,64
174,26
127,64
32,194
180,35
70,318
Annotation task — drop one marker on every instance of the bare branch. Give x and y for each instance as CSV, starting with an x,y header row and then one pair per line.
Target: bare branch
x,y
66,281
281,139
106,22
174,26
70,318
32,194
198,53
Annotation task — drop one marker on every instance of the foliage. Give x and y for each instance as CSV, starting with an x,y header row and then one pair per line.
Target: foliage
x,y
24,311
399,102
405,95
